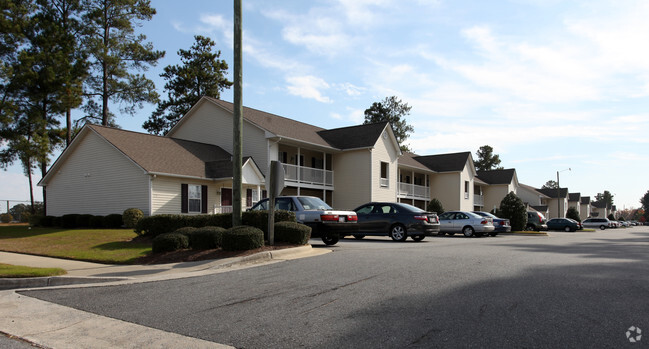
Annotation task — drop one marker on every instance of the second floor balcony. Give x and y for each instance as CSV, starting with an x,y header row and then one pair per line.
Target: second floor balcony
x,y
308,176
413,191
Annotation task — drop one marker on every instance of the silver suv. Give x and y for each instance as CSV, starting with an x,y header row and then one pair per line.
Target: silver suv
x,y
601,223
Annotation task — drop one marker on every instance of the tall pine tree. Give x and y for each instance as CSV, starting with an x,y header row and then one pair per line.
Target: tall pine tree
x,y
201,73
117,53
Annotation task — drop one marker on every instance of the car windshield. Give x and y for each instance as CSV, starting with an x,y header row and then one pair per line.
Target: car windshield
x,y
485,214
313,203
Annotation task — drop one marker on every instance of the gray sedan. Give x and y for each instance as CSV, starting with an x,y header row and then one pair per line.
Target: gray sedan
x,y
468,223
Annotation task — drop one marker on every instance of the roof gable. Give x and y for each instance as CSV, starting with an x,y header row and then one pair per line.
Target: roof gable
x,y
574,196
453,162
553,192
497,176
354,137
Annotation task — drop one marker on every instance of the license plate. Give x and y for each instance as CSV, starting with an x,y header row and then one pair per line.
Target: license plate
x,y
341,219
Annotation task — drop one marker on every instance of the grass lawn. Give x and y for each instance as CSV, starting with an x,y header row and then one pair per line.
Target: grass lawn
x,y
111,246
19,271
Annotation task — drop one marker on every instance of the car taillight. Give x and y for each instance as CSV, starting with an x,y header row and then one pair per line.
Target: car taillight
x,y
329,217
484,222
421,218
352,218
502,222
540,220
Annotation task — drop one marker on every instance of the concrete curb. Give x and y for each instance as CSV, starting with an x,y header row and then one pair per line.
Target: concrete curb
x,y
15,283
542,233
51,281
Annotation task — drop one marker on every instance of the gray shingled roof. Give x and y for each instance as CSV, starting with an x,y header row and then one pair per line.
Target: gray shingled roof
x,y
600,204
497,176
407,159
445,162
574,196
585,200
168,155
362,136
354,137
563,192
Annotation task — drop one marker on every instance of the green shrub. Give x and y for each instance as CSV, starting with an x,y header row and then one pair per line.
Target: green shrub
x,y
185,231
169,242
435,206
242,237
513,208
572,213
36,220
69,221
83,221
113,221
6,218
167,223
97,222
259,219
24,217
131,216
206,238
292,233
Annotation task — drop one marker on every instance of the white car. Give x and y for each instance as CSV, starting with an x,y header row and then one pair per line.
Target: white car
x,y
601,223
465,222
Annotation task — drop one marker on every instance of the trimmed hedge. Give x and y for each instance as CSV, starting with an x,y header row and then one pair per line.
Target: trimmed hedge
x,y
113,221
292,233
169,242
131,216
167,223
206,238
242,237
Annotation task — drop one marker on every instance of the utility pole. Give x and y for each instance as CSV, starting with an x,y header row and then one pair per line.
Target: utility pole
x,y
238,119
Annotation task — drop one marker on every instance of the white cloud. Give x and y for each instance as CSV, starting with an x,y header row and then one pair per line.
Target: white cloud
x,y
308,87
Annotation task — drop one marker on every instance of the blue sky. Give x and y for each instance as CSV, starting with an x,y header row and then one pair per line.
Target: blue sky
x,y
549,84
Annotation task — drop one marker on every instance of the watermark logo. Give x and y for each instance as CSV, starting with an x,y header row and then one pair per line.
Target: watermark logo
x,y
634,334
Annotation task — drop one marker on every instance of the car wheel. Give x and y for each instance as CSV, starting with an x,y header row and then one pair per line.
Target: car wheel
x,y
602,227
418,237
330,239
359,237
567,228
529,227
468,231
398,233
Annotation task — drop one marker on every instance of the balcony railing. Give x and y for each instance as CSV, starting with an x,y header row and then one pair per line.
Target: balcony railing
x,y
308,175
414,191
478,200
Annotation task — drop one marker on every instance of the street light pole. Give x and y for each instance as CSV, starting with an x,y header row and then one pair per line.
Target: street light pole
x,y
559,193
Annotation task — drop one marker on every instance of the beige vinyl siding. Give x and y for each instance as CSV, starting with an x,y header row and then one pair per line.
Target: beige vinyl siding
x,y
466,203
584,211
384,151
493,195
97,179
212,125
352,173
448,189
166,193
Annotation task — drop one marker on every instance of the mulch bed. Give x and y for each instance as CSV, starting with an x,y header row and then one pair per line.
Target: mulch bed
x,y
201,255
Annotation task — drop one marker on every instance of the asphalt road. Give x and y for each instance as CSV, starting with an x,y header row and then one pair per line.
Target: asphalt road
x,y
567,290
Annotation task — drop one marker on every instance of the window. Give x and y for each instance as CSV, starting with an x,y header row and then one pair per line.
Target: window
x,y
466,189
384,174
194,198
282,156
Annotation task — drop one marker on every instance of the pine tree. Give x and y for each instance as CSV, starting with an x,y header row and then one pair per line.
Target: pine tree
x,y
201,73
116,52
394,111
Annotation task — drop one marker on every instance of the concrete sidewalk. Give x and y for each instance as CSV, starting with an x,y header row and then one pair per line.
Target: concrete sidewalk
x,y
86,272
51,325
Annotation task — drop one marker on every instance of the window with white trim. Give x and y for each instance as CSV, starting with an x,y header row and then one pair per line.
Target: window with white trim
x,y
194,198
384,174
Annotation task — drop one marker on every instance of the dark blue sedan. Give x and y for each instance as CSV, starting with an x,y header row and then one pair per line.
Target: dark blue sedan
x,y
396,220
501,224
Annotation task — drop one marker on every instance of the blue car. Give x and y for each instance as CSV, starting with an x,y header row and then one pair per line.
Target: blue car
x,y
501,224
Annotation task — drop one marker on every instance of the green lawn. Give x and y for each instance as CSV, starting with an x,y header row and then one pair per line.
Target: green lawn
x,y
19,271
111,246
